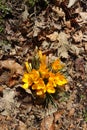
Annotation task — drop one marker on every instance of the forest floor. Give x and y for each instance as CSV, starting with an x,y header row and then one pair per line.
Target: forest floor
x,y
59,32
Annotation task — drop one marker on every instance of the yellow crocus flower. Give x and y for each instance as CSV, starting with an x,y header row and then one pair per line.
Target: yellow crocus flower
x,y
34,74
44,79
43,71
56,65
25,86
50,88
27,80
40,92
39,84
60,79
52,78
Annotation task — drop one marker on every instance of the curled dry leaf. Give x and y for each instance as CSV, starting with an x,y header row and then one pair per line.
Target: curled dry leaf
x,y
63,45
59,11
12,65
78,36
25,14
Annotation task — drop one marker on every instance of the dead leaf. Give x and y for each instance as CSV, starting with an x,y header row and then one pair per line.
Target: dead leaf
x,y
57,115
12,66
8,95
83,16
59,11
12,82
5,120
72,126
63,45
79,65
71,3
4,77
78,36
71,112
86,47
74,50
7,101
67,87
47,123
8,29
62,52
68,24
63,38
21,126
38,26
85,37
45,44
1,90
53,37
84,125
25,14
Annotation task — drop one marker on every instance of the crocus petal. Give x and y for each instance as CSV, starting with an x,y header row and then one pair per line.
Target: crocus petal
x,y
34,75
51,90
25,86
34,86
60,79
56,65
25,77
40,92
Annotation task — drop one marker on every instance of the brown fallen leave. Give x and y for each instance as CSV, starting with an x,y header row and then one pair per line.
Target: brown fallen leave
x,y
53,37
21,126
78,36
12,65
8,78
1,90
57,115
48,123
79,67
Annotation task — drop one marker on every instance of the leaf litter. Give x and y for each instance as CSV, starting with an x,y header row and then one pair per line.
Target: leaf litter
x,y
54,31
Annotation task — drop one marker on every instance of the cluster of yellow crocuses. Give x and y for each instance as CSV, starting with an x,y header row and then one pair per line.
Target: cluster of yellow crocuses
x,y
46,78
